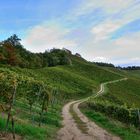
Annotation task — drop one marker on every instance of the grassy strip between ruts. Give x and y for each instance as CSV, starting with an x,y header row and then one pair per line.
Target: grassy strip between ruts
x,y
80,124
117,128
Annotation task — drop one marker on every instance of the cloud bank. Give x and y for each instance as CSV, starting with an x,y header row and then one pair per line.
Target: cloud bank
x,y
107,31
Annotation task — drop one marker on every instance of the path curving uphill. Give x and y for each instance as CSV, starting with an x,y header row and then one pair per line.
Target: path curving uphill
x,y
91,131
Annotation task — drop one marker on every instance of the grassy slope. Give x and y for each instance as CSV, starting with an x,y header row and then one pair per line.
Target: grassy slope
x,y
114,127
27,126
135,73
76,81
126,91
123,92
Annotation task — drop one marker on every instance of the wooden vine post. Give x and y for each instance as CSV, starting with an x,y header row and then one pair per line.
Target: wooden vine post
x,y
44,103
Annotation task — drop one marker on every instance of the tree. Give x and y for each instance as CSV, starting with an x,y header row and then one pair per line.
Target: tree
x,y
13,40
10,54
2,58
13,53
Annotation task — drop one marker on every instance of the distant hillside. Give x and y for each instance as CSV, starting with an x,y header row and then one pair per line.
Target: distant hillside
x,y
78,79
104,64
59,68
131,68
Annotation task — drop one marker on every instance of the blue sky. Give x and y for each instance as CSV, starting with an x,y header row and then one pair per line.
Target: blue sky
x,y
107,31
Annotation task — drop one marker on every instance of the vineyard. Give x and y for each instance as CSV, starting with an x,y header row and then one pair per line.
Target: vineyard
x,y
122,113
35,96
15,88
117,110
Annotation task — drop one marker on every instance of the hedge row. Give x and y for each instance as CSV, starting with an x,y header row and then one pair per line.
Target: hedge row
x,y
122,113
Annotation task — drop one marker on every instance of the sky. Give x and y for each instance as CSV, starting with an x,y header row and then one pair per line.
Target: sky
x,y
100,30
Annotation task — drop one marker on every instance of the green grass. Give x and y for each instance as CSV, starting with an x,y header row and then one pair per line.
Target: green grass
x,y
80,124
77,81
120,93
27,126
52,117
114,127
135,73
73,81
126,91
30,131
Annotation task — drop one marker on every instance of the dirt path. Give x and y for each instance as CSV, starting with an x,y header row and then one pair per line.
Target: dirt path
x,y
71,131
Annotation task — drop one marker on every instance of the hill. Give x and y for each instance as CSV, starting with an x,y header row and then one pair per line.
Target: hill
x,y
64,77
14,54
117,110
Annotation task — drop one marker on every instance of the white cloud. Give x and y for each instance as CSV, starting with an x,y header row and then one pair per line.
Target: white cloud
x,y
116,14
108,6
100,59
125,50
128,46
43,37
127,62
94,44
113,6
103,30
